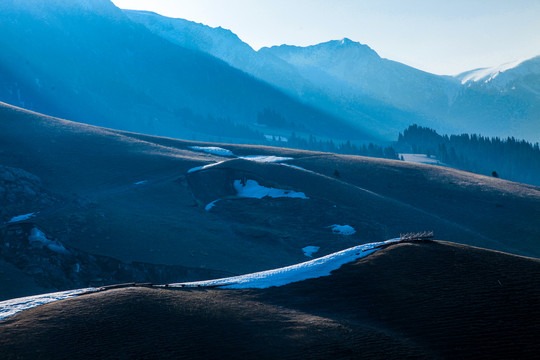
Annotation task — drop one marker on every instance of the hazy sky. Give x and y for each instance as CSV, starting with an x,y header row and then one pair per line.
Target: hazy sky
x,y
444,37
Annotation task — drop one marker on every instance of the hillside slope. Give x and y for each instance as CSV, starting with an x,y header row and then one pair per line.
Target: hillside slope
x,y
424,300
139,198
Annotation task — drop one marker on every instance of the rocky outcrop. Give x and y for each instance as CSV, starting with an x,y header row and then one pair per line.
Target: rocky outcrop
x,y
20,191
55,265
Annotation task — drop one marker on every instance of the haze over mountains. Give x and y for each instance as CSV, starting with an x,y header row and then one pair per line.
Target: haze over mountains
x,y
140,71
350,80
65,58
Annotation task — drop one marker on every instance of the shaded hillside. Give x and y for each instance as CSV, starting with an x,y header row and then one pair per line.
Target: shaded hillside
x,y
503,211
53,265
224,45
429,300
88,62
139,198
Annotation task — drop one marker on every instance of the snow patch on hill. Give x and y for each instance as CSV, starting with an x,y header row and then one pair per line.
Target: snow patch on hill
x,y
224,152
198,168
252,189
421,159
214,150
319,267
39,239
296,167
22,217
11,307
342,229
210,205
265,158
316,268
310,250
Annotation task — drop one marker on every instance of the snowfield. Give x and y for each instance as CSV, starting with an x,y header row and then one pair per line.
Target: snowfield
x,y
296,167
487,74
252,189
224,152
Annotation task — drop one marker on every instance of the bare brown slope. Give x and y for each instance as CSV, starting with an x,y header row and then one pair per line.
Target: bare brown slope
x,y
501,210
429,300
456,300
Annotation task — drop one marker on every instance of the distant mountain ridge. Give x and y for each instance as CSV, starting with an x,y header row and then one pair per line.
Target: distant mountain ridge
x,y
227,46
86,60
218,42
316,88
504,73
90,61
351,80
504,99
357,71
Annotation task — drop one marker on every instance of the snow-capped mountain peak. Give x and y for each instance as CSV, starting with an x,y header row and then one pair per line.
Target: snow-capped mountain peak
x,y
486,75
330,48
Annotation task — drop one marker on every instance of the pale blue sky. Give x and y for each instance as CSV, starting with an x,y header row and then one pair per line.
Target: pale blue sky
x,y
444,37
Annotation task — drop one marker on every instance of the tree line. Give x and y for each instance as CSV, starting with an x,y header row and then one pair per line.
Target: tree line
x,y
345,147
510,158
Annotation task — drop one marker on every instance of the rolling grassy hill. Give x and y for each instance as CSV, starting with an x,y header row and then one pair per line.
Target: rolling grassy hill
x,y
433,300
133,198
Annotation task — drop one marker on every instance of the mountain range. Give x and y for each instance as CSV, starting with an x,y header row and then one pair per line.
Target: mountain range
x,y
139,71
352,81
64,58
